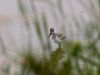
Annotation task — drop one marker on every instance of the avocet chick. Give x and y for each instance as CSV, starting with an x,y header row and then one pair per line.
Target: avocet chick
x,y
56,37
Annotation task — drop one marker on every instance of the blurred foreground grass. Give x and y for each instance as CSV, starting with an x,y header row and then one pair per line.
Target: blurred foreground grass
x,y
74,58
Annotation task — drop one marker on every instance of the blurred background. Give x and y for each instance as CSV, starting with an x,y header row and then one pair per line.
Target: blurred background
x,y
24,45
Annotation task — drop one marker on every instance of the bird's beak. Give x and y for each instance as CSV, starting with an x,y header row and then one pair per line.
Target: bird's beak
x,y
49,35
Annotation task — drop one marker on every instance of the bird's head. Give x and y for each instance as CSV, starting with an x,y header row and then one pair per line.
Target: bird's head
x,y
51,31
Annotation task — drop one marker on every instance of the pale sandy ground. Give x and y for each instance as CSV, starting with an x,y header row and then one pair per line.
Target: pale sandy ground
x,y
12,29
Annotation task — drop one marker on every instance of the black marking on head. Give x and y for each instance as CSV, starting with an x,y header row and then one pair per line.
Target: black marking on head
x,y
52,30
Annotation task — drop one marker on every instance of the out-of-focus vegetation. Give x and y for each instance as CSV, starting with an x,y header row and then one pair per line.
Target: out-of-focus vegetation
x,y
75,57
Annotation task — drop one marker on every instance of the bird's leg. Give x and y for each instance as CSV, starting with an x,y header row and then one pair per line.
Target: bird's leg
x,y
59,45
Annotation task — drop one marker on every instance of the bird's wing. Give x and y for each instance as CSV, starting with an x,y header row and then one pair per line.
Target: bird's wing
x,y
63,38
59,34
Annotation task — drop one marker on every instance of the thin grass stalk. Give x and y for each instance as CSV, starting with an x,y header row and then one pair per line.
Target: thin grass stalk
x,y
78,66
37,24
38,28
89,61
26,22
89,9
62,14
3,45
45,25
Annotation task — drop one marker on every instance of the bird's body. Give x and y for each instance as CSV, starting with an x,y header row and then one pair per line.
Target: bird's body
x,y
56,37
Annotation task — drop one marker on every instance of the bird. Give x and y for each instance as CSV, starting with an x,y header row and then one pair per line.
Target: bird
x,y
56,37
